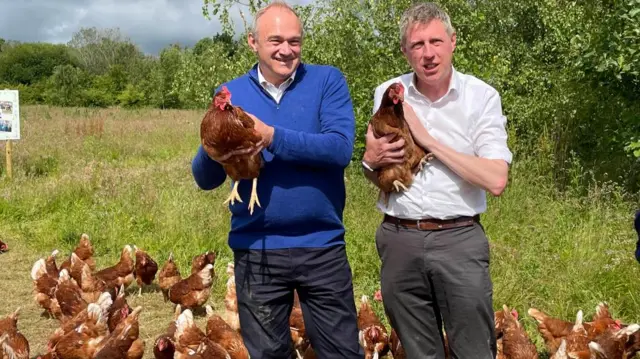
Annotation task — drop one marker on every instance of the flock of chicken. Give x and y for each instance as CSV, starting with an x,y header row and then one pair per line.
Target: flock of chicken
x,y
97,322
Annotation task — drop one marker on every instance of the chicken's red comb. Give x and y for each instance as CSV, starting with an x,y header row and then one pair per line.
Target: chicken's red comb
x,y
222,98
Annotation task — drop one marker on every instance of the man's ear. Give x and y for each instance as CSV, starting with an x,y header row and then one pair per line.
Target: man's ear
x,y
453,41
252,41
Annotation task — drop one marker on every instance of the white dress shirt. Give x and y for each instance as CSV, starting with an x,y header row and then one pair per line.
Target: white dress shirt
x,y
275,92
469,119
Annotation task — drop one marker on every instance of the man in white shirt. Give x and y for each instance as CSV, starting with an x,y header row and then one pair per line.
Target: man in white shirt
x,y
434,252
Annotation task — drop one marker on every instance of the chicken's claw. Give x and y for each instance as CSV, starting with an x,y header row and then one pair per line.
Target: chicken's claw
x,y
397,184
423,162
254,196
234,194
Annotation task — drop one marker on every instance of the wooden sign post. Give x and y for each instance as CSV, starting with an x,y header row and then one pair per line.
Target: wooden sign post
x,y
9,123
9,164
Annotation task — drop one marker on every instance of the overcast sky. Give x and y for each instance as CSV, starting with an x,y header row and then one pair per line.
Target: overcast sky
x,y
151,24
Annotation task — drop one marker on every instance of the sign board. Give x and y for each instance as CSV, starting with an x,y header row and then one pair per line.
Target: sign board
x,y
9,115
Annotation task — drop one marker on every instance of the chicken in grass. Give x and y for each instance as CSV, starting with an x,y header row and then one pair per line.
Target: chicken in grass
x,y
87,315
123,342
44,288
3,247
373,335
226,128
14,344
499,322
201,260
69,296
389,120
614,344
145,269
84,340
516,344
194,290
168,276
119,310
120,273
220,332
164,346
192,342
554,330
231,300
84,251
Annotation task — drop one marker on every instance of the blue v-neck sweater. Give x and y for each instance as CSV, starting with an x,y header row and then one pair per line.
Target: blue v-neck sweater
x,y
301,186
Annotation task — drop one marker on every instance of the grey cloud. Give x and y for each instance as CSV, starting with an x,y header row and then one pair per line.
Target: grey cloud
x,y
151,24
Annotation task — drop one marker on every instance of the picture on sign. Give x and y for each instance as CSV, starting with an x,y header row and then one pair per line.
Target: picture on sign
x,y
9,115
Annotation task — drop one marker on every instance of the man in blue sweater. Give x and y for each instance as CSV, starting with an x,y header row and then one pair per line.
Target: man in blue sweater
x,y
295,240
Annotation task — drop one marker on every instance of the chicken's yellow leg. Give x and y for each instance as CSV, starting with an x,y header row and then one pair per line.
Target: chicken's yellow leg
x,y
234,194
397,184
254,196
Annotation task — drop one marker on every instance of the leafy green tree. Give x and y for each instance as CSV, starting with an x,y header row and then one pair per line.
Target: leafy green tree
x,y
28,63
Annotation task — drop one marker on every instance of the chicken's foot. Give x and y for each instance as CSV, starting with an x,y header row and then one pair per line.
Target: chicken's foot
x,y
254,196
234,194
423,162
397,184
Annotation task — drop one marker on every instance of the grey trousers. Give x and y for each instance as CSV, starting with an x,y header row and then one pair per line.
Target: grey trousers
x,y
431,277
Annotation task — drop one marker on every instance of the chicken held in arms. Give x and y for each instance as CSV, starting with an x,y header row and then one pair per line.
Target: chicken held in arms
x,y
226,128
389,119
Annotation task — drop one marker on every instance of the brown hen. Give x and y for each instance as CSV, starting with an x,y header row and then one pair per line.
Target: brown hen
x,y
194,290
164,346
373,335
84,251
516,343
190,340
389,119
145,269
14,344
220,332
231,300
168,276
225,128
120,273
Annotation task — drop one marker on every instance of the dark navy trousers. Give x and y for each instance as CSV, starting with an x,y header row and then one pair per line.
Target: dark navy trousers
x,y
265,281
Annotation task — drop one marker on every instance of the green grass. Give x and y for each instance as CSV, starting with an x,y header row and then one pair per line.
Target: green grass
x,y
124,177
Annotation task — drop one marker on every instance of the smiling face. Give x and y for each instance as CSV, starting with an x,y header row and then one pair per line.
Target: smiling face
x,y
278,42
429,50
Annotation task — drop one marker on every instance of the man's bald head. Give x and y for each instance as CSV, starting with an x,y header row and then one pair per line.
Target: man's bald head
x,y
275,9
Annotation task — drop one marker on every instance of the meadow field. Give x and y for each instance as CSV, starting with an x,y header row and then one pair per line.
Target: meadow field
x,y
124,177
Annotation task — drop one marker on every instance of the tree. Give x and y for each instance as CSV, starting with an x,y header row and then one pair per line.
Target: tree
x,y
31,62
96,50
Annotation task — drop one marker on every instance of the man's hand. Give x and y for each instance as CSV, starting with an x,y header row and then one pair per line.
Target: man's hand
x,y
265,131
420,134
380,152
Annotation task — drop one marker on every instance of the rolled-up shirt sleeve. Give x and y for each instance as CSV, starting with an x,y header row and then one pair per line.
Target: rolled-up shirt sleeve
x,y
490,133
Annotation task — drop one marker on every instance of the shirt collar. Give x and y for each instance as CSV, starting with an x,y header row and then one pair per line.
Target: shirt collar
x,y
264,82
454,84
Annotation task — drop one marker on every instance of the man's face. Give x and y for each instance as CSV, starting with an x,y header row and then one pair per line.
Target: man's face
x,y
429,50
278,43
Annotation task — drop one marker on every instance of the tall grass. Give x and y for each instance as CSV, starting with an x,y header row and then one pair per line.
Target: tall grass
x,y
125,177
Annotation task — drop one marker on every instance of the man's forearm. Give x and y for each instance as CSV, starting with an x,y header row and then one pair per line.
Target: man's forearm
x,y
489,174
